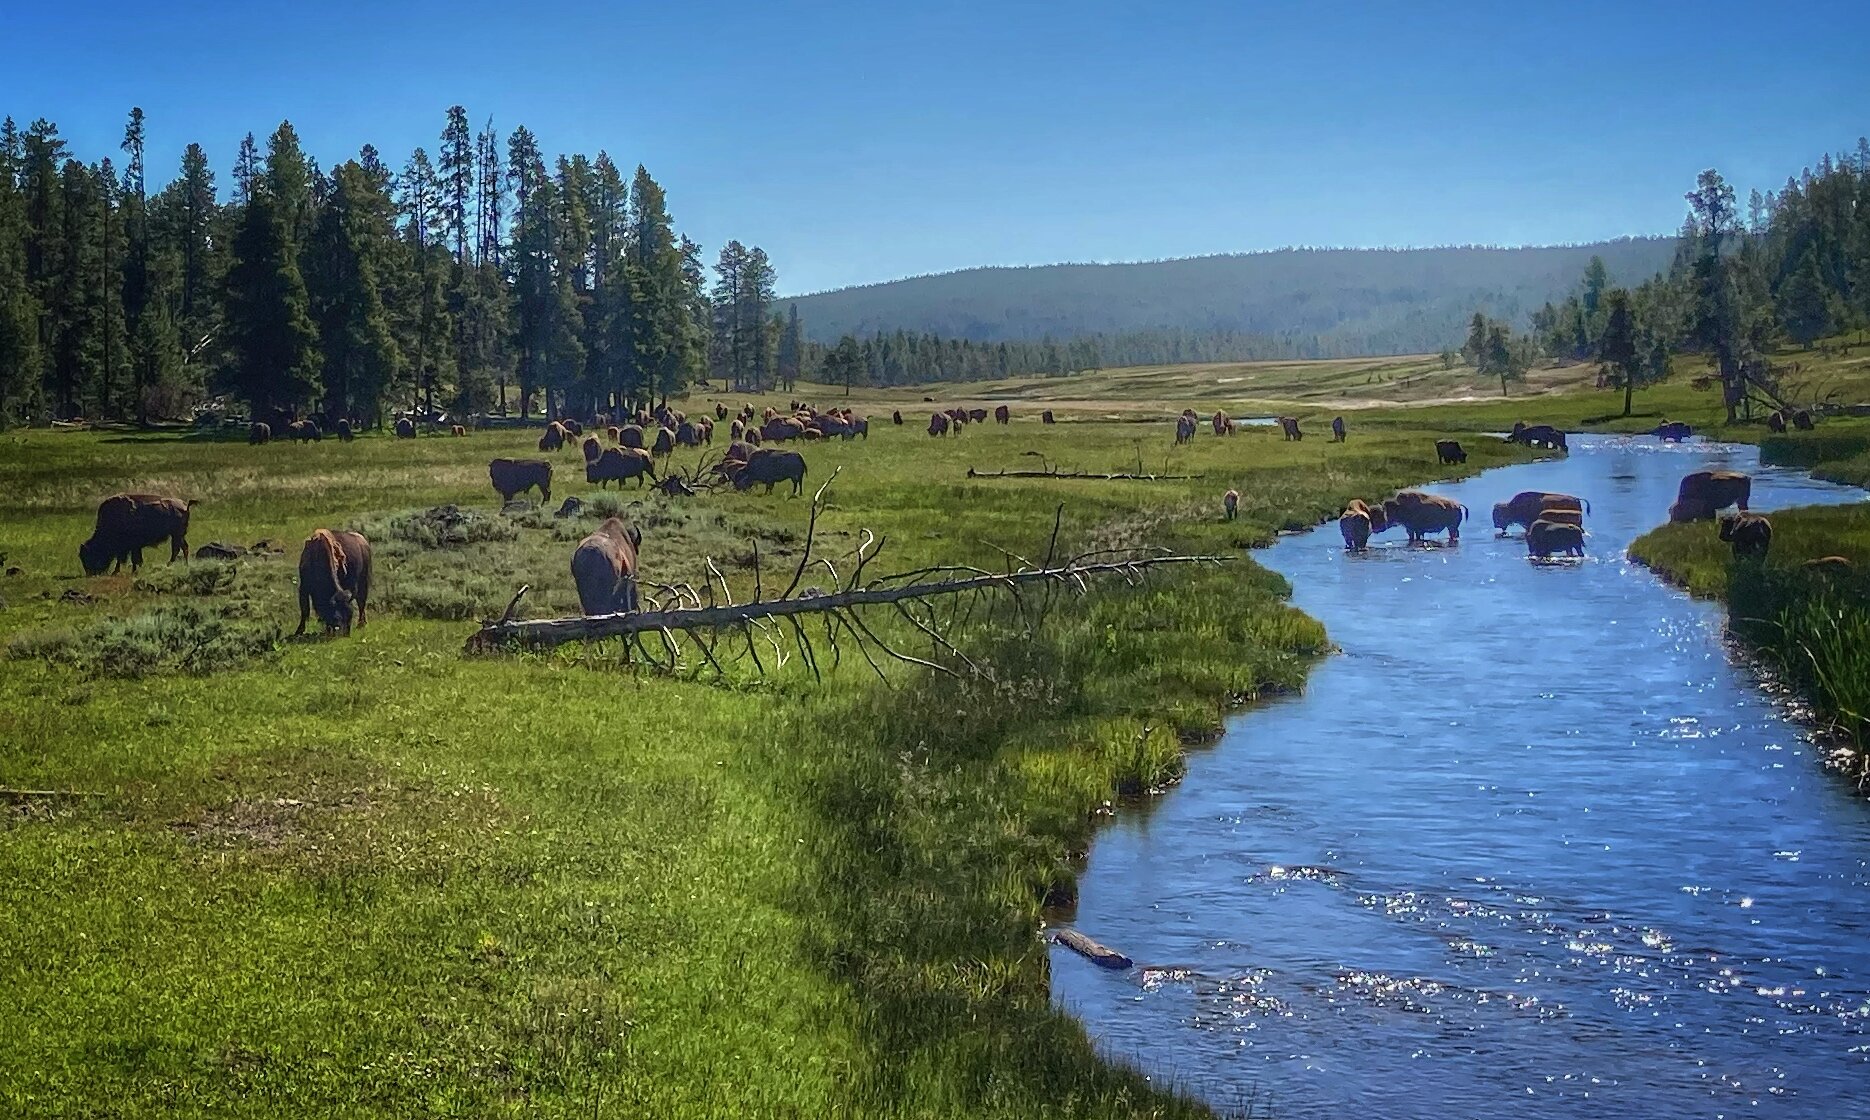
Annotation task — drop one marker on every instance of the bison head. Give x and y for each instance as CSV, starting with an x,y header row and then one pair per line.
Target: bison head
x,y
1502,515
335,612
94,556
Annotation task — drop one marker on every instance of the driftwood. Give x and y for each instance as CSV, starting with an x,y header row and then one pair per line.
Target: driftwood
x,y
769,626
972,473
1103,956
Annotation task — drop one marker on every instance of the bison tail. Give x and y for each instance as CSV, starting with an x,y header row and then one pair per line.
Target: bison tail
x,y
1586,503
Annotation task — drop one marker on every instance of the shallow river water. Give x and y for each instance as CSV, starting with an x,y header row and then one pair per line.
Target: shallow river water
x,y
1533,840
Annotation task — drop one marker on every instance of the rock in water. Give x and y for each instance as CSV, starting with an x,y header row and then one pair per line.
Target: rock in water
x,y
1101,955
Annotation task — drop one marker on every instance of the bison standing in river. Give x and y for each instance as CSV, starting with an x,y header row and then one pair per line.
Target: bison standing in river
x,y
1524,507
1422,514
334,575
1545,538
604,568
129,523
1355,527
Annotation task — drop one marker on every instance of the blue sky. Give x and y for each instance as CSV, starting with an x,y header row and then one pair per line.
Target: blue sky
x,y
858,142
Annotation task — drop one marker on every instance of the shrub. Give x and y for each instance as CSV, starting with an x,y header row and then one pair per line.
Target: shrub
x,y
174,638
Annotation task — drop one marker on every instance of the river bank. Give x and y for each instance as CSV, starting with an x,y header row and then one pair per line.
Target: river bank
x,y
547,885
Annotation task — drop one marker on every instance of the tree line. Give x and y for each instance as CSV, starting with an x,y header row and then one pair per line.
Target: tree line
x,y
1794,268
480,280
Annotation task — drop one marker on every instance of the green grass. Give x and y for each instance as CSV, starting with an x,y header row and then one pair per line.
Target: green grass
x,y
1814,626
1839,450
378,877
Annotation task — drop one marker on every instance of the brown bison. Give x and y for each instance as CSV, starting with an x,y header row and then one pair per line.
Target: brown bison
x,y
604,568
613,433
259,433
619,465
859,427
334,575
1562,517
457,430
1290,425
665,442
1705,493
630,435
1776,422
1220,423
1230,504
554,437
405,428
1749,533
344,430
1524,507
1184,428
771,465
1337,429
592,447
1671,431
1046,417
782,428
1537,435
304,431
1802,420
1449,452
977,415
938,424
1830,566
720,411
1002,415
516,476
1355,525
1544,538
1422,514
573,429
688,435
896,417
129,523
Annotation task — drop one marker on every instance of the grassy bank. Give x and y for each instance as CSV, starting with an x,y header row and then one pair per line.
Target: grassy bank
x,y
1813,624
375,877
1839,451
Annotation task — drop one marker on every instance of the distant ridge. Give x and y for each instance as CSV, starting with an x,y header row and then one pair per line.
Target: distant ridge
x,y
1370,301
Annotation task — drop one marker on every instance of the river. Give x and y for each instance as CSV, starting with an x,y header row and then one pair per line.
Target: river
x,y
1532,840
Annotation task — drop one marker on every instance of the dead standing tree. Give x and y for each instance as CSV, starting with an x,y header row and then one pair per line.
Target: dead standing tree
x,y
931,600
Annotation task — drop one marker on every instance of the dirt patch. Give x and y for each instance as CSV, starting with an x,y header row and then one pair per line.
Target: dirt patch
x,y
276,822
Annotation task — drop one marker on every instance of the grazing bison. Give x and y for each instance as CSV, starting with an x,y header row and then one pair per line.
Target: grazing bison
x,y
1776,422
630,435
688,435
1184,428
938,424
619,464
1671,431
129,523
1290,425
1046,417
344,430
1705,493
516,476
1544,538
665,442
457,430
896,417
604,568
1749,533
735,431
572,428
1802,420
1230,504
1523,508
859,427
977,415
1449,452
720,411
592,448
1002,415
1337,429
305,431
334,575
1422,514
1830,566
771,465
1537,435
554,437
1220,423
1355,525
613,433
259,433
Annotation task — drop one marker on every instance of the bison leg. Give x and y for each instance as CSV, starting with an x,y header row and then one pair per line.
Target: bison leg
x,y
305,609
178,546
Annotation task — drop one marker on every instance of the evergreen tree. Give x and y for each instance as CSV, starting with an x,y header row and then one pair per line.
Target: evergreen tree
x,y
272,344
789,344
456,182
1804,303
1715,326
351,247
1617,347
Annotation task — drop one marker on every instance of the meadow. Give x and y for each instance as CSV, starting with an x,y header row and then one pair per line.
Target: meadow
x,y
376,876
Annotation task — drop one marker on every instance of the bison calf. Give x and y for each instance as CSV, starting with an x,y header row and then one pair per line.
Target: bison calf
x,y
334,576
1750,535
1544,538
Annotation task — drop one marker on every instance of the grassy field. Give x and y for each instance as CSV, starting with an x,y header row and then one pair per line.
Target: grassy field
x,y
1813,624
378,877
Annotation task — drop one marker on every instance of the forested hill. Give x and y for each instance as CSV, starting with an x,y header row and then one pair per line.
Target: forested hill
x,y
1312,302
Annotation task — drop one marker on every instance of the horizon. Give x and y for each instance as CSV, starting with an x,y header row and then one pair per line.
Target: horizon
x,y
1007,137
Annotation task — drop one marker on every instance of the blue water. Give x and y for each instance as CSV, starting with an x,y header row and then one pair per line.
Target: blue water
x,y
1533,840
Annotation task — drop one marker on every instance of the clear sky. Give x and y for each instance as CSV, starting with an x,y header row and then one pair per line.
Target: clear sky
x,y
859,142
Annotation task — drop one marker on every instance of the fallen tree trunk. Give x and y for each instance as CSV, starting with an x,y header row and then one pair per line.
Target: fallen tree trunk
x,y
972,473
1103,956
555,631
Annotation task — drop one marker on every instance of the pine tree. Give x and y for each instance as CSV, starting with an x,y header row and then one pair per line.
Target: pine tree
x,y
1617,346
351,246
789,346
1804,303
272,344
456,181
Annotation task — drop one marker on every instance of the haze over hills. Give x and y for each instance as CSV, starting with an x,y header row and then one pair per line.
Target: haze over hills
x,y
1283,303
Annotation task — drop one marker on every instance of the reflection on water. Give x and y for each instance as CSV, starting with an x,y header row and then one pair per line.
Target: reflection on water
x,y
1532,840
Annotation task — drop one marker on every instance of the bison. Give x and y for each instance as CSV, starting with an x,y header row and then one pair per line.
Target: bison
x,y
1184,428
1337,429
1704,493
1046,417
457,430
938,424
896,417
977,415
258,433
665,442
1449,452
1002,415
771,465
1544,538
1537,435
345,432
1671,431
1749,534
1562,516
304,431
1356,528
619,464
554,437
630,435
592,448
1802,420
572,428
1422,514
720,411
1290,425
1230,504
688,435
604,568
1776,422
516,476
1524,507
129,523
334,574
